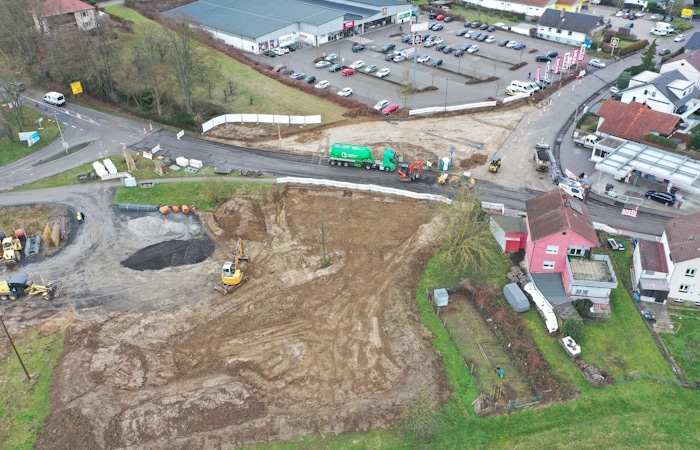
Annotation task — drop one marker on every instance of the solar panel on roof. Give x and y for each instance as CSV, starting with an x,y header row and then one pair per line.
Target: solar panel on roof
x,y
576,207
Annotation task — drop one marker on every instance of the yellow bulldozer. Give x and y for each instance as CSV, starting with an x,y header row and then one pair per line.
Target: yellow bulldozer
x,y
495,164
231,275
11,251
20,286
463,179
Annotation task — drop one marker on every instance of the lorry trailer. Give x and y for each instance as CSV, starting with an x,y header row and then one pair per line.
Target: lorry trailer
x,y
361,156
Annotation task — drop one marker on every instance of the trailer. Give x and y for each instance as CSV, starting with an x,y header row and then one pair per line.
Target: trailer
x,y
541,157
361,156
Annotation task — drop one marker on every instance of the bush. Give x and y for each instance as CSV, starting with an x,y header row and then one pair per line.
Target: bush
x,y
582,305
664,142
573,327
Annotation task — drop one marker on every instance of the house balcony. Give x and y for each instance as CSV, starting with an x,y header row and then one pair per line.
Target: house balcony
x,y
591,277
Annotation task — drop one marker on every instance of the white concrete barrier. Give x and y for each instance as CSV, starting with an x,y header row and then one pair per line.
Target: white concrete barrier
x,y
282,119
439,109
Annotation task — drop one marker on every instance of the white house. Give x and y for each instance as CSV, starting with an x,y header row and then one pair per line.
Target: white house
x,y
566,27
681,239
650,271
670,93
531,8
687,63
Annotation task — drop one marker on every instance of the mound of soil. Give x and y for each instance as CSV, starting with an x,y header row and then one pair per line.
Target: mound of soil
x,y
170,254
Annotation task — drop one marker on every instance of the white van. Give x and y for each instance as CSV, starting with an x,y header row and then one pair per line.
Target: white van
x,y
527,86
54,98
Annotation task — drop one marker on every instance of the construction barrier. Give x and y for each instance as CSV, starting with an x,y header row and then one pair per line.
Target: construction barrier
x,y
281,119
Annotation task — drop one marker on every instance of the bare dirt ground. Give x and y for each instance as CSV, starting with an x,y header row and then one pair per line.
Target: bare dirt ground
x,y
158,359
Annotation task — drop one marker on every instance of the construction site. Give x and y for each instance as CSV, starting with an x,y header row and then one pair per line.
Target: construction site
x,y
155,357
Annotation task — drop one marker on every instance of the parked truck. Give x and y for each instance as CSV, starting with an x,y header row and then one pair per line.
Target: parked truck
x,y
361,156
541,157
587,141
663,26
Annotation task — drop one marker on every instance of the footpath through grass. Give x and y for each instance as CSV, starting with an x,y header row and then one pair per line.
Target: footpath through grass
x,y
25,404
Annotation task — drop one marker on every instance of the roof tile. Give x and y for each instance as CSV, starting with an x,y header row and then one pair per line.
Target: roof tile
x,y
683,236
551,213
633,120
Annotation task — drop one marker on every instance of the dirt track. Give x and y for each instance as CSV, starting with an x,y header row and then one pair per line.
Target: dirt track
x,y
158,359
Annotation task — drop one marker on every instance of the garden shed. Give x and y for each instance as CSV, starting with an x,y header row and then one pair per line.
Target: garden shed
x,y
516,298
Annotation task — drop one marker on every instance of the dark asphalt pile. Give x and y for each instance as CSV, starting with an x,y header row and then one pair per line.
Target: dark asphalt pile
x,y
170,254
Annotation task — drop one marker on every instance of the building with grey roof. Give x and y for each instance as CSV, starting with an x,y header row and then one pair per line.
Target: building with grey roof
x,y
265,24
566,27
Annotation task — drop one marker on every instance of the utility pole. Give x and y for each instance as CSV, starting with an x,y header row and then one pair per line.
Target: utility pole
x,y
15,349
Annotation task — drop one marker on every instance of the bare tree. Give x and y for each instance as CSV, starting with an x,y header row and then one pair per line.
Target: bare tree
x,y
184,58
463,231
149,60
19,35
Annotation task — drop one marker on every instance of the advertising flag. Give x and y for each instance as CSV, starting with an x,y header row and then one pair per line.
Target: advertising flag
x,y
565,64
539,73
582,53
557,65
574,57
547,69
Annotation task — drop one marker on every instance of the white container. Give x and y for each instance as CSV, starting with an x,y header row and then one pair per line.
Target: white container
x,y
445,164
182,161
196,163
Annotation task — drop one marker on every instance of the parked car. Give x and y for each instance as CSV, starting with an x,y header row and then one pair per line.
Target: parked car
x,y
482,37
614,89
389,57
357,65
511,44
383,72
656,32
358,48
648,315
484,26
664,52
448,19
280,67
287,72
459,53
461,32
490,39
390,109
17,86
323,64
542,58
335,67
407,38
423,58
347,72
596,63
467,24
668,19
512,90
552,54
381,104
345,92
399,58
447,50
322,84
661,197
437,62
654,17
440,47
469,34
310,79
298,76
476,24
332,57
473,49
387,47
432,15
504,43
519,46
371,68
438,40
679,38
491,29
428,43
437,27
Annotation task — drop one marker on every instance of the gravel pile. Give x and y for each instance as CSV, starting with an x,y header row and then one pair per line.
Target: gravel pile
x,y
169,254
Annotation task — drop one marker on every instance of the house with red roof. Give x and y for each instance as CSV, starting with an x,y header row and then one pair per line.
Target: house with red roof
x,y
681,240
631,121
66,14
559,251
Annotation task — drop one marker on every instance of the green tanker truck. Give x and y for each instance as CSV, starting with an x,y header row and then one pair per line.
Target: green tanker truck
x,y
361,156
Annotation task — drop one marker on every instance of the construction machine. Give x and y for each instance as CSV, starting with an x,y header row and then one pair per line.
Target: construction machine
x,y
19,286
463,179
495,164
11,250
231,276
410,172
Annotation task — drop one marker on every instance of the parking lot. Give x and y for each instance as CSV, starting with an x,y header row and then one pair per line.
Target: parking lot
x,y
471,77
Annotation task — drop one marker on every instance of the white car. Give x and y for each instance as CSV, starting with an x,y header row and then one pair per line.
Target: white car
x,y
679,38
619,14
332,57
596,63
511,44
322,84
357,65
381,105
278,51
345,92
322,64
383,72
371,68
438,40
490,39
614,89
427,44
423,58
656,32
473,49
654,17
639,15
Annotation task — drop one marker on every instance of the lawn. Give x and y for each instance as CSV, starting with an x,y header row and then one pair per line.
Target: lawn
x,y
25,404
13,150
685,343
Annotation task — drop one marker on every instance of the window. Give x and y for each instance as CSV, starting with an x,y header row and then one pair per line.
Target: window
x,y
649,272
548,265
85,14
684,288
575,251
581,292
552,249
570,33
653,94
563,233
689,272
558,31
646,92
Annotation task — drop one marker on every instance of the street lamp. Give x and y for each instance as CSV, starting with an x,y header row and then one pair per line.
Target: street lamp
x,y
63,142
279,133
447,84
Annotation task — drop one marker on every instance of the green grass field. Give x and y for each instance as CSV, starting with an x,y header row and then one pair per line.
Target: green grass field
x,y
12,151
685,343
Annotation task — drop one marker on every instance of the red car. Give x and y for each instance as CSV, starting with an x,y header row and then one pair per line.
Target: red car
x,y
440,17
389,109
347,72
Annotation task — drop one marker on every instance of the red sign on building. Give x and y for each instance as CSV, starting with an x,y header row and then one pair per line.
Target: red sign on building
x,y
350,24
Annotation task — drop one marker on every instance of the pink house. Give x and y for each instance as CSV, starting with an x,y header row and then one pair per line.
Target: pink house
x,y
559,251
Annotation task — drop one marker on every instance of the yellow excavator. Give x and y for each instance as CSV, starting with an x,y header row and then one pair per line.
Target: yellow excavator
x,y
231,276
19,286
456,181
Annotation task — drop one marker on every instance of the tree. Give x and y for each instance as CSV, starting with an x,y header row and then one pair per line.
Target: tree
x,y
648,56
463,232
573,327
419,415
582,305
19,35
624,80
149,60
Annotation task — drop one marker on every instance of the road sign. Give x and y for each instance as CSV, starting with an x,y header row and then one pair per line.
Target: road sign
x,y
417,39
614,42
